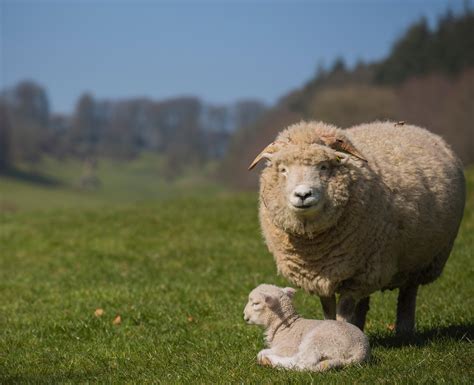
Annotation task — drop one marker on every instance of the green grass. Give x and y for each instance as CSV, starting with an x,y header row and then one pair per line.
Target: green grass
x,y
178,272
121,183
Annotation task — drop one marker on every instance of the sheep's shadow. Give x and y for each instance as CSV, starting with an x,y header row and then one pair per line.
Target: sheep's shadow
x,y
458,332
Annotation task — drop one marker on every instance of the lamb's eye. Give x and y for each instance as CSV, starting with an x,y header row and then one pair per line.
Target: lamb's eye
x,y
323,167
283,170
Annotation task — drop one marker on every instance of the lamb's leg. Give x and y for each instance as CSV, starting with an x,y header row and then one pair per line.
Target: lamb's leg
x,y
262,357
360,312
406,309
307,357
329,306
283,362
322,366
346,308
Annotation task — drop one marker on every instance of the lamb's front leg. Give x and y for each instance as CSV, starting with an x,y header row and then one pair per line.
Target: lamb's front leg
x,y
268,357
262,357
283,362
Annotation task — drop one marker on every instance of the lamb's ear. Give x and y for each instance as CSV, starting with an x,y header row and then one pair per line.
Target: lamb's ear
x,y
270,300
289,291
266,153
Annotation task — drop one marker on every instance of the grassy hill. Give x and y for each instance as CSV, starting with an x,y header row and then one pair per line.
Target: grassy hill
x,y
177,269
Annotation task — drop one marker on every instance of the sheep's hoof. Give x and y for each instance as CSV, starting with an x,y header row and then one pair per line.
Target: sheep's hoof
x,y
264,361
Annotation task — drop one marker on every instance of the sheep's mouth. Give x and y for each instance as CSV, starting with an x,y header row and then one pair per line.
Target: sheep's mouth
x,y
304,208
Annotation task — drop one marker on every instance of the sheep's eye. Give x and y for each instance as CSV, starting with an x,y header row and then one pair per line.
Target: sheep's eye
x,y
255,304
323,167
283,170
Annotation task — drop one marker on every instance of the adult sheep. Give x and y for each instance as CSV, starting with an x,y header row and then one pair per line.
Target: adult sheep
x,y
354,211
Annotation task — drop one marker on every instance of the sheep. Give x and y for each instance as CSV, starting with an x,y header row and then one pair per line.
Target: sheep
x,y
302,344
350,212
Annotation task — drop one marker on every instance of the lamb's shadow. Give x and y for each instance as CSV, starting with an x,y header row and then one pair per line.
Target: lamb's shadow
x,y
458,332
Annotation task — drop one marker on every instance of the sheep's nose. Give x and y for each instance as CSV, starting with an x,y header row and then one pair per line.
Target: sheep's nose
x,y
303,192
246,319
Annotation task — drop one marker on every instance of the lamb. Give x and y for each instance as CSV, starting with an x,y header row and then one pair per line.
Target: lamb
x,y
302,344
354,211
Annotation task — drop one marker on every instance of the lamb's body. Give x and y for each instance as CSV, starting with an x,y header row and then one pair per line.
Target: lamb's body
x,y
303,344
396,220
316,345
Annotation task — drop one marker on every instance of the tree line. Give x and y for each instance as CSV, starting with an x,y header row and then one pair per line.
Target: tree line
x,y
184,130
427,80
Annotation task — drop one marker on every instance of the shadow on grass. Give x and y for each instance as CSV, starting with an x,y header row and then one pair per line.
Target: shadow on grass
x,y
457,332
51,378
31,177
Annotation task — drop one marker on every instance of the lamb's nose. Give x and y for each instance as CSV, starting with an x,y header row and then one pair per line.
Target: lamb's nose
x,y
302,192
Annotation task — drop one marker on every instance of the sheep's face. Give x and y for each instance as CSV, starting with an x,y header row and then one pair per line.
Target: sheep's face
x,y
268,303
304,189
304,186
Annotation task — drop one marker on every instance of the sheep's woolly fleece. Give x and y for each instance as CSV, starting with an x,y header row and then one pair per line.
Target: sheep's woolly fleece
x,y
388,220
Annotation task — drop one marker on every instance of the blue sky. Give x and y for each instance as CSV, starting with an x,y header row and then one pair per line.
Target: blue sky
x,y
221,51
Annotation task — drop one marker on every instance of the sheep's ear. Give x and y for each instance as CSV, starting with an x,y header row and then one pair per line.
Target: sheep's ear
x,y
289,291
342,157
267,153
342,145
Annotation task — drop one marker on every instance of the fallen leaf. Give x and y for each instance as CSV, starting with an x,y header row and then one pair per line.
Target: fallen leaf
x,y
117,320
99,312
190,319
391,327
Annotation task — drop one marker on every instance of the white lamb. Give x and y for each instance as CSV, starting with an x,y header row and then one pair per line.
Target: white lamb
x,y
302,344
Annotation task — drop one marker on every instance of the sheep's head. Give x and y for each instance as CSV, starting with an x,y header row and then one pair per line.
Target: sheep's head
x,y
306,182
268,303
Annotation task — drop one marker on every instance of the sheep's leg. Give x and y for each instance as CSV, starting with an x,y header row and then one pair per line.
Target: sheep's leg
x,y
346,308
329,306
406,309
360,312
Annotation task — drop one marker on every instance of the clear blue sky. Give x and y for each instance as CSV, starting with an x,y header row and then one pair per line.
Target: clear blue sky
x,y
218,50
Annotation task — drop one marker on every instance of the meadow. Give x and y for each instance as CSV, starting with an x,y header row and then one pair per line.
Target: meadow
x,y
144,281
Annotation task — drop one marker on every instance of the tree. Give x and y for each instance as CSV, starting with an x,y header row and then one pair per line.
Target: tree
x,y
85,131
5,160
28,115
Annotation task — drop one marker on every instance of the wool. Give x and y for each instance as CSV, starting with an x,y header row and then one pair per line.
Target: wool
x,y
297,343
388,221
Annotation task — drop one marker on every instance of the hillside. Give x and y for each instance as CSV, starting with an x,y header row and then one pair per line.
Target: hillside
x,y
427,80
171,276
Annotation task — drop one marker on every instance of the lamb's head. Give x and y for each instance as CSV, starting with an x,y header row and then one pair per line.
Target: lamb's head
x,y
269,303
306,182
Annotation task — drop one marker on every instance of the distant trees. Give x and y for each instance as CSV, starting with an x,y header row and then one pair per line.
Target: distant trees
x,y
184,130
85,132
427,79
5,156
26,111
448,49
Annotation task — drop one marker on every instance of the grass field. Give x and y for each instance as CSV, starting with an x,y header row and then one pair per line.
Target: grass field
x,y
177,270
